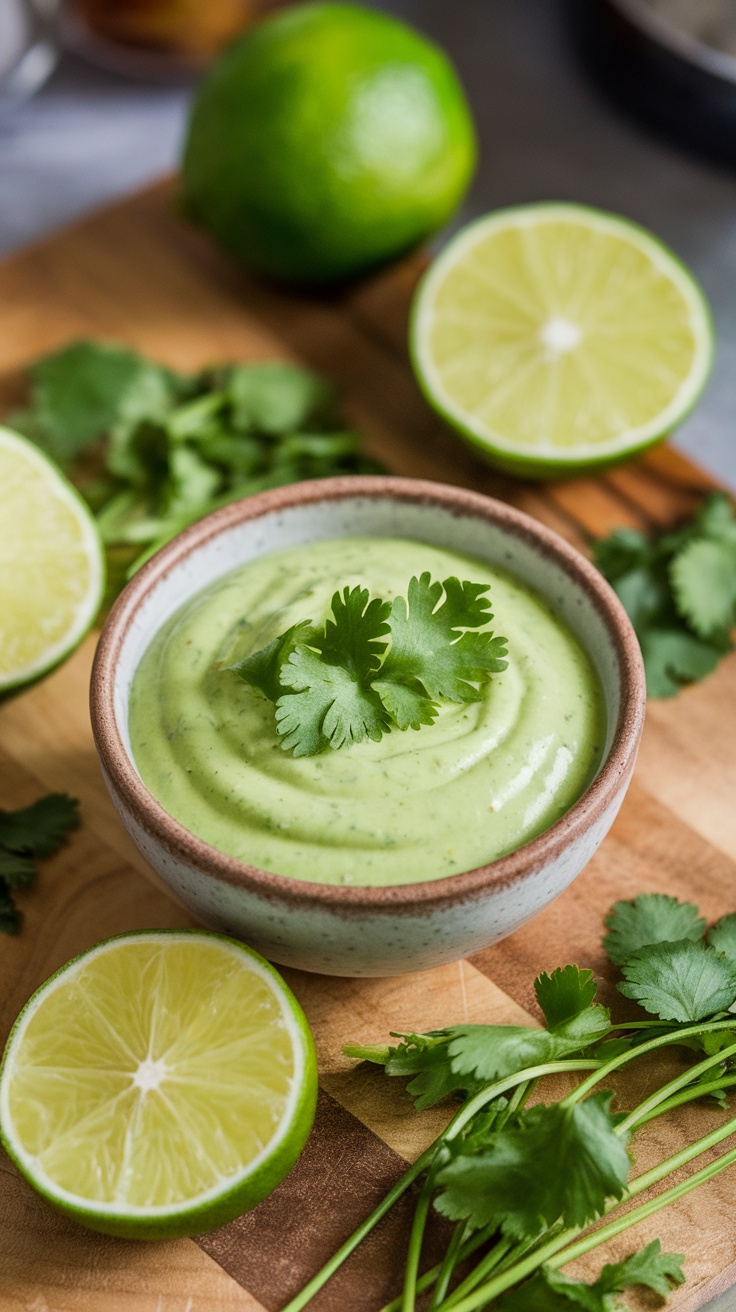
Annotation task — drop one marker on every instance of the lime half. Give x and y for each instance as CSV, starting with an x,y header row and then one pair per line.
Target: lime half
x,y
558,338
52,569
159,1084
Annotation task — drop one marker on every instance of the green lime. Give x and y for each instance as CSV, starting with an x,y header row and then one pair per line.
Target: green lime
x,y
326,141
52,569
159,1084
558,338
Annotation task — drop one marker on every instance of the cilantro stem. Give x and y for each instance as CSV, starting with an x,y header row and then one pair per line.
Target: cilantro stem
x,y
483,1269
450,1261
425,1281
416,1239
687,1095
458,1123
663,1041
674,1086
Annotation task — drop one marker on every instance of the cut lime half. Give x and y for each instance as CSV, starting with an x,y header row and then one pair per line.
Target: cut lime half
x,y
52,569
558,338
159,1084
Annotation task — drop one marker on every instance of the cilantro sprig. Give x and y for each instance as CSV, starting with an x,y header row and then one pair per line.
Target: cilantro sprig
x,y
153,450
679,590
35,831
376,665
525,1186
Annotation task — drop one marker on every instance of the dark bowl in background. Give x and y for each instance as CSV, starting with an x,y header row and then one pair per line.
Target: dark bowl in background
x,y
682,88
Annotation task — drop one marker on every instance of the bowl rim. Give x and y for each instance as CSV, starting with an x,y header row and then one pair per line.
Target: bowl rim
x,y
696,54
409,898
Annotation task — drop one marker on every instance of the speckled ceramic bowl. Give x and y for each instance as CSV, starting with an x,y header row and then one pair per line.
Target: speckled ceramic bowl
x,y
356,930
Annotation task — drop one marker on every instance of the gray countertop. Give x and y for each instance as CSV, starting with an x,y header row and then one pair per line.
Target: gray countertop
x,y
545,133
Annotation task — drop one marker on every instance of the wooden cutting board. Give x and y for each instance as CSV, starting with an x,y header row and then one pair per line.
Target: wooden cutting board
x,y
138,274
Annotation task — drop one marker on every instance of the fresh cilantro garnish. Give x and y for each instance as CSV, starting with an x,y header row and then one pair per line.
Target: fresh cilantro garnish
x,y
34,831
553,1163
551,1291
153,450
649,918
464,1057
680,592
683,981
525,1186
338,684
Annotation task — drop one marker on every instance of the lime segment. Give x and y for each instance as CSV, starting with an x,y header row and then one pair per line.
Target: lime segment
x,y
51,563
158,1084
557,337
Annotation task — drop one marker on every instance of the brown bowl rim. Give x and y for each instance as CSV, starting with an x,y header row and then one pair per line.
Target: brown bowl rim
x,y
423,896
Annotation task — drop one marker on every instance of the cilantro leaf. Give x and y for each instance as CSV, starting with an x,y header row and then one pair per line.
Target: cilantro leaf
x,y
39,828
275,397
650,1268
35,830
649,918
17,870
430,643
679,590
353,637
262,669
550,1291
563,994
624,550
681,981
329,706
554,1163
673,657
426,1058
703,577
722,937
79,392
10,916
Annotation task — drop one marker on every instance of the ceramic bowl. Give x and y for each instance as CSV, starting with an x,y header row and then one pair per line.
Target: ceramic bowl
x,y
356,930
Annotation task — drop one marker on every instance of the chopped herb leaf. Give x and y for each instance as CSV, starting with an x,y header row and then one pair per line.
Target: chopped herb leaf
x,y
649,918
165,449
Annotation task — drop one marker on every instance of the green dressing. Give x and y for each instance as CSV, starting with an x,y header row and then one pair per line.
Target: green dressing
x,y
418,805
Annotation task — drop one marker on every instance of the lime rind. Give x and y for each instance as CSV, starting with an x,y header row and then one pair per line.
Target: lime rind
x,y
215,1206
542,459
89,603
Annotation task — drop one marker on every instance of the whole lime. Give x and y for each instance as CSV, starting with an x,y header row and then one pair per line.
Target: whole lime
x,y
326,141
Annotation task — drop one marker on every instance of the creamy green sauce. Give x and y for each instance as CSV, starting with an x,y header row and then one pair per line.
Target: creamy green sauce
x,y
418,805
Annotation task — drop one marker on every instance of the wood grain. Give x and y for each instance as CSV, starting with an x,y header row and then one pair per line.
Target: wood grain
x,y
138,274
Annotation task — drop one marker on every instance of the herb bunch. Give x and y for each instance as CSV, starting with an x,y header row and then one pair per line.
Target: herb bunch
x,y
153,450
523,1184
679,590
34,831
343,682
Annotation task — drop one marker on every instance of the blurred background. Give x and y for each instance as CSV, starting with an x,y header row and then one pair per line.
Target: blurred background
x,y
109,110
